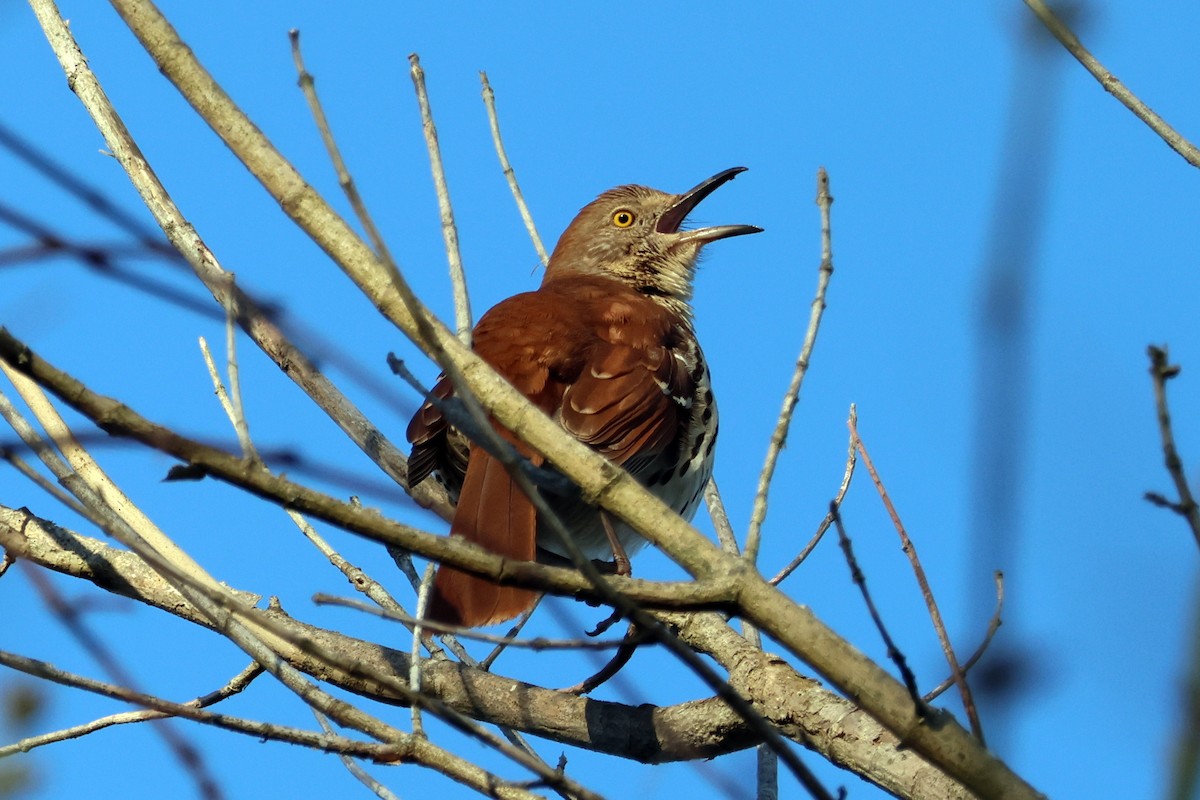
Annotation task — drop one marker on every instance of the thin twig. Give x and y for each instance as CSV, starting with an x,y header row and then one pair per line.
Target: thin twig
x,y
189,757
240,422
509,635
357,578
489,102
935,615
414,655
993,626
353,767
307,86
234,686
538,643
720,517
894,653
458,279
233,410
779,436
1112,85
385,753
1161,371
42,482
851,460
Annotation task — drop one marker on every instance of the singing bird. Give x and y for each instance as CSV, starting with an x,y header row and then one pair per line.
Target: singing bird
x,y
605,347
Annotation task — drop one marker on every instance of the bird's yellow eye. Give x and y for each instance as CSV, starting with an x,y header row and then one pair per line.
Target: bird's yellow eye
x,y
622,218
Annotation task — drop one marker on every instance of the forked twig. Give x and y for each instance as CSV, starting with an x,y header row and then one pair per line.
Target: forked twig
x,y
993,625
1161,371
935,615
851,460
779,436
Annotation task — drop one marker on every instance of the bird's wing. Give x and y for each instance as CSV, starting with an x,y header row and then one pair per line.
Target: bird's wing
x,y
630,397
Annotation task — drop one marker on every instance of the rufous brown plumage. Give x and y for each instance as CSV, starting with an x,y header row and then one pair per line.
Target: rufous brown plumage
x,y
606,347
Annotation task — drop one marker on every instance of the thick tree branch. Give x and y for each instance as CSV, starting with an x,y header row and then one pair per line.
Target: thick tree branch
x,y
801,709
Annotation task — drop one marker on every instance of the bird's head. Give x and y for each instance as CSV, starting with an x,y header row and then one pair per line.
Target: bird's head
x,y
632,234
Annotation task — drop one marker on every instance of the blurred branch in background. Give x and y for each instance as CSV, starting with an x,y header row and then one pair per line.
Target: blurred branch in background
x,y
1185,769
1161,371
1008,286
1185,772
111,260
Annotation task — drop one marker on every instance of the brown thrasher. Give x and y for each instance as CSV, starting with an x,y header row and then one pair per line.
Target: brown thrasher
x,y
606,347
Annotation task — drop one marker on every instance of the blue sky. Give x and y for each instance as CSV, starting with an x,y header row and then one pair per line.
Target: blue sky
x,y
911,110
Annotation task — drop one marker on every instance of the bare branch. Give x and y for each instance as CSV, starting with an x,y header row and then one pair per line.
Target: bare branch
x,y
860,580
993,626
779,436
1161,371
458,279
910,549
797,705
489,102
234,686
720,519
1112,85
851,460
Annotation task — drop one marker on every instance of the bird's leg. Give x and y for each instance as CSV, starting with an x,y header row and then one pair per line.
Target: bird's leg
x,y
620,567
633,637
620,558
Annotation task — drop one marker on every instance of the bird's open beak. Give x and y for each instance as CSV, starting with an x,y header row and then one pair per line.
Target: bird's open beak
x,y
673,217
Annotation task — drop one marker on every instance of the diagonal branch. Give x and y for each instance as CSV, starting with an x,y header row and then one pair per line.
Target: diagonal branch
x,y
824,272
1111,84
